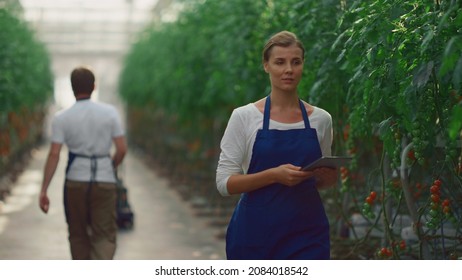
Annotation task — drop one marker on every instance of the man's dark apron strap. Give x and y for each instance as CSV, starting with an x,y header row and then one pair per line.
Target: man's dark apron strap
x,y
94,167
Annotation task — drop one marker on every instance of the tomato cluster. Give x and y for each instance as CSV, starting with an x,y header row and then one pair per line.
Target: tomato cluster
x,y
367,206
396,159
401,245
435,209
393,187
387,252
439,210
411,156
384,252
447,212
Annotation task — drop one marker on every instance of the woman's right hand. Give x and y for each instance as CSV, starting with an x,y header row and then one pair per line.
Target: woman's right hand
x,y
286,174
291,175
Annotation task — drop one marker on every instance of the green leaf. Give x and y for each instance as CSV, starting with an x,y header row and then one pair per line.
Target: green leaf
x,y
457,76
456,122
458,20
384,127
426,41
451,54
423,74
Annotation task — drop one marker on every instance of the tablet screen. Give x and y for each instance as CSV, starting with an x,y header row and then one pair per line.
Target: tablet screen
x,y
330,162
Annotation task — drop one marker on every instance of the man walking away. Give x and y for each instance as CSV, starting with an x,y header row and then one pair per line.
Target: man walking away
x,y
88,129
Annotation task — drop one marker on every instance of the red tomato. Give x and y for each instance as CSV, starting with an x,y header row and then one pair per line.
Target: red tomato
x,y
437,182
386,252
373,195
445,203
435,198
435,189
402,245
383,251
369,200
411,155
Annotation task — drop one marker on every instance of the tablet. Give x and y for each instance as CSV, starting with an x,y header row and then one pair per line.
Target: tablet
x,y
330,162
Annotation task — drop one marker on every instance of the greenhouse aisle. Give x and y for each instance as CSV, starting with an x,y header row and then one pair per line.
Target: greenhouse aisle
x,y
81,33
165,226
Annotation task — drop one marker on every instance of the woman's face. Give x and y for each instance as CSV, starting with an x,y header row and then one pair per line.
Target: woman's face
x,y
285,67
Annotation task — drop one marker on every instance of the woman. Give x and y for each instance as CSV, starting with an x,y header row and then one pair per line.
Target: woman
x,y
280,214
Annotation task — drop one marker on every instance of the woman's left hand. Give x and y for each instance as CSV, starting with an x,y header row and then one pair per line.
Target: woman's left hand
x,y
325,177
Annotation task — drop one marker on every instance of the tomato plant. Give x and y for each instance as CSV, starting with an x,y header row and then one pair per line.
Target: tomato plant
x,y
25,87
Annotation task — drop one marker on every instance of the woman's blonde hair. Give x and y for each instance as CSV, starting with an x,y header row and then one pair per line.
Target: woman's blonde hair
x,y
281,39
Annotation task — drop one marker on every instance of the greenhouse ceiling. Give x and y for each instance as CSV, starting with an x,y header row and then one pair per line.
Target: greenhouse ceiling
x,y
88,26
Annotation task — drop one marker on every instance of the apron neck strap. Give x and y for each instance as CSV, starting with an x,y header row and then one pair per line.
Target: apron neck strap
x,y
266,115
304,114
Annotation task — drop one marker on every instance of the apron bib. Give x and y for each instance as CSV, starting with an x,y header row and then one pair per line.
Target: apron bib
x,y
277,221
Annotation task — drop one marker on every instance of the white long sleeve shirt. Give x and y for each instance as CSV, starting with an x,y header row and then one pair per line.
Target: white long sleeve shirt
x,y
239,138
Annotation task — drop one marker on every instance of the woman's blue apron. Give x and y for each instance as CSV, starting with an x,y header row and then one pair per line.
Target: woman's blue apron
x,y
277,221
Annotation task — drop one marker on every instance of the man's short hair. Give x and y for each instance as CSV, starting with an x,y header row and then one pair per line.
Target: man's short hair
x,y
82,80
